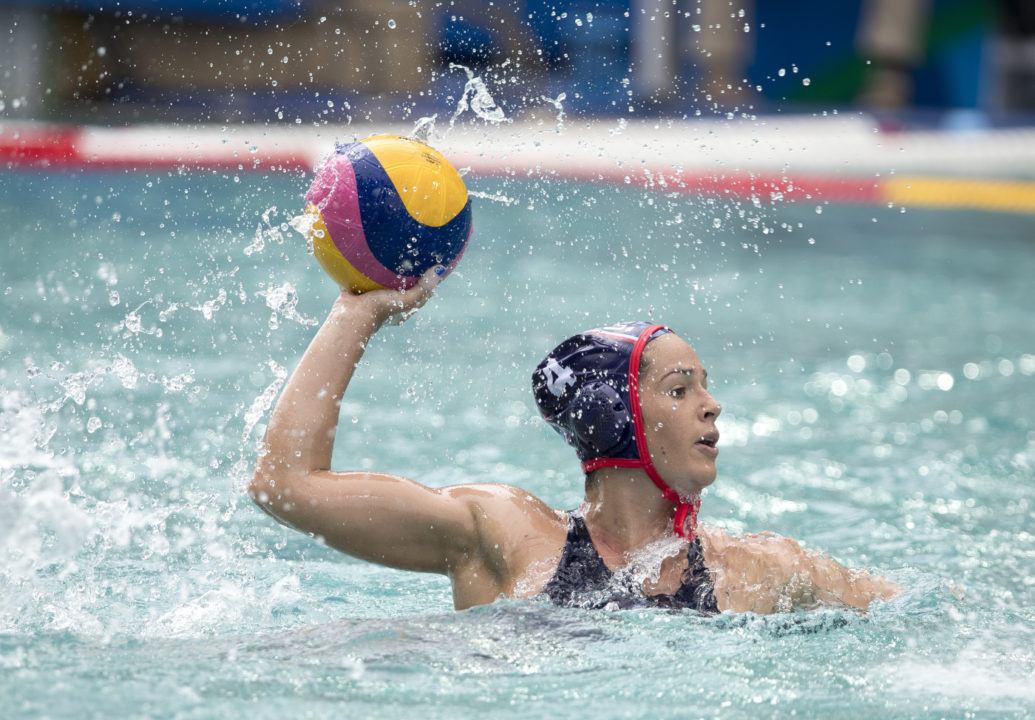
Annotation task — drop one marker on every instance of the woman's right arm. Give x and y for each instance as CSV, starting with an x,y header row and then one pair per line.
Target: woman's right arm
x,y
381,518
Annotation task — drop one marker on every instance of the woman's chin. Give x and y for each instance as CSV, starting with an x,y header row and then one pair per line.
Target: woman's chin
x,y
702,483
695,484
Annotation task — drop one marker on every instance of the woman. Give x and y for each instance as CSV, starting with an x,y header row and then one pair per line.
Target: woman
x,y
634,402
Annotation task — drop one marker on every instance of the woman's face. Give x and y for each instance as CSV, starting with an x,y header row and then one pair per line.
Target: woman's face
x,y
679,415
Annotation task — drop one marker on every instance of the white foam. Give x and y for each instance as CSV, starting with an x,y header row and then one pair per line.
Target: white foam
x,y
213,610
971,677
25,432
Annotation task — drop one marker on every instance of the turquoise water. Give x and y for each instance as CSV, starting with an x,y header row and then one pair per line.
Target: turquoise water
x,y
875,367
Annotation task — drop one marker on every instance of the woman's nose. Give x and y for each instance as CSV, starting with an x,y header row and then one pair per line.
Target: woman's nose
x,y
710,408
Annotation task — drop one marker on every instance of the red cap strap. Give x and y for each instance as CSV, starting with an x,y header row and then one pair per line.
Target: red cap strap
x,y
683,508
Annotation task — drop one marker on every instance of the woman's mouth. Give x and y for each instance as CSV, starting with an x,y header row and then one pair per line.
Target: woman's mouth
x,y
707,444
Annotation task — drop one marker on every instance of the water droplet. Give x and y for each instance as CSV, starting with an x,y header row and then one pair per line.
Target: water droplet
x,y
391,24
806,82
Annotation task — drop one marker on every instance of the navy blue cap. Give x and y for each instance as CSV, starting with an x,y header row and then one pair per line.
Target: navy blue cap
x,y
582,390
588,389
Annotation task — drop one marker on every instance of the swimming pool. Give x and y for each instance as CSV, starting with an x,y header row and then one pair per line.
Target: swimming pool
x,y
876,372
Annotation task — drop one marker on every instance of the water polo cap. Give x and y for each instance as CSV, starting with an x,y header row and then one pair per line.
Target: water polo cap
x,y
587,389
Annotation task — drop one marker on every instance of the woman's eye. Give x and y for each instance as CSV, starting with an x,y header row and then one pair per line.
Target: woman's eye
x,y
677,392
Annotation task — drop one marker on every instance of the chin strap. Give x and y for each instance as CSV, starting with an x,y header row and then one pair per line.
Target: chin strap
x,y
684,508
679,519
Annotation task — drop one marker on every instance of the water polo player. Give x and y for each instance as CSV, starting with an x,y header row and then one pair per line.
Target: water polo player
x,y
633,401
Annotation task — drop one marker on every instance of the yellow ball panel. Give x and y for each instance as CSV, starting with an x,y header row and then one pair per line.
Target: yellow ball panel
x,y
431,189
340,269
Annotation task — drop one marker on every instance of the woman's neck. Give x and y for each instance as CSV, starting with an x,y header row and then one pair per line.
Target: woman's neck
x,y
625,511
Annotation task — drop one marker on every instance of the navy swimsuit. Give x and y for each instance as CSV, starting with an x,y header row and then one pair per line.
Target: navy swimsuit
x,y
583,580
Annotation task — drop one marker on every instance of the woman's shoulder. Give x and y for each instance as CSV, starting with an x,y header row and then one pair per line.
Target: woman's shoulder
x,y
516,529
763,549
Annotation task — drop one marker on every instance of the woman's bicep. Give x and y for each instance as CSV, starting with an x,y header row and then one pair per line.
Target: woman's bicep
x,y
376,517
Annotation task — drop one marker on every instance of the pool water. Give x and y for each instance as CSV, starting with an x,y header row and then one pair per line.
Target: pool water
x,y
875,365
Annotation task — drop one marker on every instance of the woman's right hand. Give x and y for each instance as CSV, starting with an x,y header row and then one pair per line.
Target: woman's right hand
x,y
391,307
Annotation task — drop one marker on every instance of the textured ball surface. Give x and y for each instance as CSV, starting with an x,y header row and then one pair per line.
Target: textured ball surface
x,y
386,209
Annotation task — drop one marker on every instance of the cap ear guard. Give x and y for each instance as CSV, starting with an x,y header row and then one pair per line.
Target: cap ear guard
x,y
599,418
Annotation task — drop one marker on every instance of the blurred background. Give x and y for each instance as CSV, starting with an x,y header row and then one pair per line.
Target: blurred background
x,y
274,61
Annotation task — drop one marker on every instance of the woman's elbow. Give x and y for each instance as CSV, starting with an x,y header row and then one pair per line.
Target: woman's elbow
x,y
259,490
269,488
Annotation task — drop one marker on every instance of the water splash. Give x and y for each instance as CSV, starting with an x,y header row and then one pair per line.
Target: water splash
x,y
558,106
303,224
258,243
133,324
267,231
494,197
424,128
169,311
209,308
125,371
282,300
26,435
264,401
177,383
476,98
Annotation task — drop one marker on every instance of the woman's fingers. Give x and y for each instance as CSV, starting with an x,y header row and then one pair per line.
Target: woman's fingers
x,y
393,307
405,303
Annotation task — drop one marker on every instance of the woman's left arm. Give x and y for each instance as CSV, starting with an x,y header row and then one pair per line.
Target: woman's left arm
x,y
766,573
833,583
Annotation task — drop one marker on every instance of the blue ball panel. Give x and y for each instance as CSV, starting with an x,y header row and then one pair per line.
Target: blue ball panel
x,y
402,244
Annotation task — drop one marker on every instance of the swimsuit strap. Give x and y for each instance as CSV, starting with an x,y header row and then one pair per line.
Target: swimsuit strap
x,y
581,569
697,589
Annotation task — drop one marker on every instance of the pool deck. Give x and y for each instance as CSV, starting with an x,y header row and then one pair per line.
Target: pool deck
x,y
835,158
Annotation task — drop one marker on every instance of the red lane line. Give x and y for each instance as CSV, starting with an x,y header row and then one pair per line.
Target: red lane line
x,y
66,161
58,148
39,147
